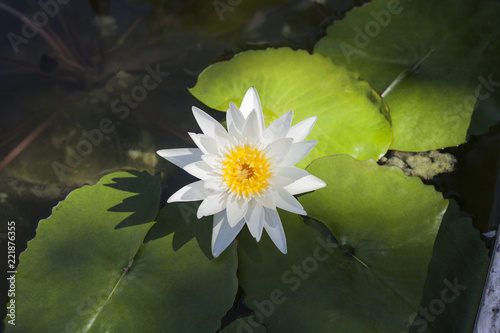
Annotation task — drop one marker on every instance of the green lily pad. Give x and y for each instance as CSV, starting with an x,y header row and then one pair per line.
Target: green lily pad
x,y
487,110
351,117
362,269
241,325
455,278
422,57
99,264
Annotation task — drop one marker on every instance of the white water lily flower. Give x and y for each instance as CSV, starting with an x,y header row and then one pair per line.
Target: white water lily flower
x,y
246,171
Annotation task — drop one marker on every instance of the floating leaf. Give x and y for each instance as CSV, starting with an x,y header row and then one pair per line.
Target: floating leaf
x,y
97,265
370,279
350,115
242,326
455,279
487,110
422,57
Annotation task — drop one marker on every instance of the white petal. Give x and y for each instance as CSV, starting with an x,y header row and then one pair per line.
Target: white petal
x,y
222,233
297,152
279,149
284,200
274,229
236,210
215,184
278,129
192,192
212,204
207,124
251,102
255,219
291,172
305,184
278,181
266,200
222,140
212,160
251,129
300,131
199,169
181,156
284,176
206,144
235,120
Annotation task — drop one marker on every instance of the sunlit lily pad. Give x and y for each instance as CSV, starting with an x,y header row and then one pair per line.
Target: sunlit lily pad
x,y
350,114
371,280
98,264
422,57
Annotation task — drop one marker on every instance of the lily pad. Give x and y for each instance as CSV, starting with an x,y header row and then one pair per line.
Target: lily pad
x,y
455,278
423,58
240,325
351,117
100,264
487,111
362,268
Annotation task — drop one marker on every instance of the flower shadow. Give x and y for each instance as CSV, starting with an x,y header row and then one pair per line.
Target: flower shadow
x,y
180,220
144,205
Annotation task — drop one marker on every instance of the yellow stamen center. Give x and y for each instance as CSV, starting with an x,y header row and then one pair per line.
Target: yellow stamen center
x,y
246,171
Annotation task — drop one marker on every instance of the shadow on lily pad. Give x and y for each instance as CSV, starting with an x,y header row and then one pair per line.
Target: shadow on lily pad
x,y
455,278
148,191
180,219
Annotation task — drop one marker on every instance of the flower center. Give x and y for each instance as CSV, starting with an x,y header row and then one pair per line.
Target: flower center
x,y
246,171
